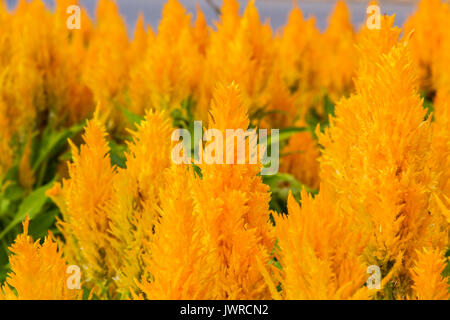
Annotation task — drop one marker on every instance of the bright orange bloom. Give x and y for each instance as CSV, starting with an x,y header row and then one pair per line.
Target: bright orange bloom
x,y
232,205
301,158
429,25
105,69
339,63
38,272
374,155
299,52
180,267
240,51
82,199
426,274
132,207
319,252
171,70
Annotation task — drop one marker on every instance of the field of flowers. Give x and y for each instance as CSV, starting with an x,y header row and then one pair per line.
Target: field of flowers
x,y
92,205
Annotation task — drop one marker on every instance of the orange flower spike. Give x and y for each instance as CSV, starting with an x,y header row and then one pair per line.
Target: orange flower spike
x,y
180,268
38,272
201,31
296,51
381,171
302,158
429,25
82,199
339,40
371,43
139,43
26,174
107,48
232,205
319,252
131,209
429,284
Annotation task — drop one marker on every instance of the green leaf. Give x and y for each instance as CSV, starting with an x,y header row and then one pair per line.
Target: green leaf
x,y
117,154
13,192
40,225
52,141
31,206
286,133
132,117
280,181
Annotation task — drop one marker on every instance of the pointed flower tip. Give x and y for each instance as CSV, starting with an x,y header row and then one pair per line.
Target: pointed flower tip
x,y
25,225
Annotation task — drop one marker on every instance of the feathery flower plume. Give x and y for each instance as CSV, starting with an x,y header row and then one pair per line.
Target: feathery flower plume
x,y
82,199
319,252
38,272
377,156
179,265
132,207
429,25
242,51
171,70
440,146
429,284
232,205
105,69
298,45
302,158
339,53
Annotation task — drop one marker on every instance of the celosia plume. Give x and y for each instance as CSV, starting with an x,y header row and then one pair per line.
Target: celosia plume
x,y
374,156
181,267
38,272
429,284
232,205
132,207
319,251
82,199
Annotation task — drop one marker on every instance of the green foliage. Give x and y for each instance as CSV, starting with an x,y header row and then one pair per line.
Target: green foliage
x,y
280,184
16,201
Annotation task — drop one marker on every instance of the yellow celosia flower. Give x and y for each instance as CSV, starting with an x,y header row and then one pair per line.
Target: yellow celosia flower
x,y
171,70
201,31
282,105
78,103
26,175
82,199
299,52
41,72
180,267
38,272
302,158
429,284
429,25
232,205
374,155
371,43
339,63
105,69
242,51
297,48
139,44
319,251
6,152
132,208
440,146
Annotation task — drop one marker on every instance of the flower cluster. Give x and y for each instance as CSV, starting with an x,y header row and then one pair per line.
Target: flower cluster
x,y
364,119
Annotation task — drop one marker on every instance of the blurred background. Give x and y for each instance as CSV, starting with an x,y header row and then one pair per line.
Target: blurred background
x,y
274,11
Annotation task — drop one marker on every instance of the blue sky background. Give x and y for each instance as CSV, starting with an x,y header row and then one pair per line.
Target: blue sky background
x,y
274,10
